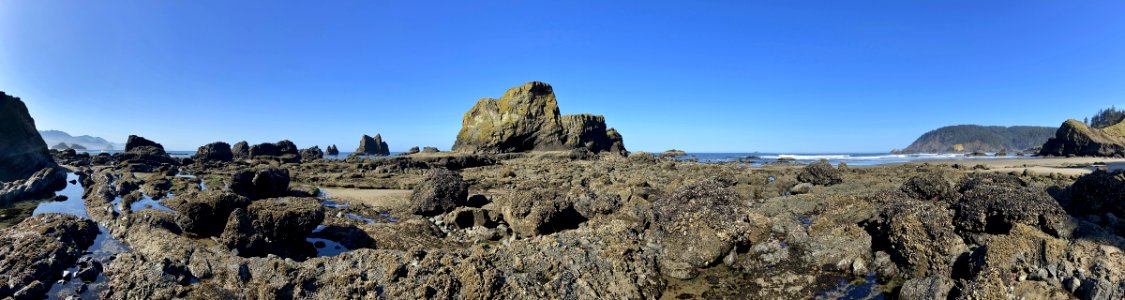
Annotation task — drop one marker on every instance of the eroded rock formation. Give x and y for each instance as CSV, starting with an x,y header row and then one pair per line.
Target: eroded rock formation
x,y
1076,139
527,118
372,146
22,150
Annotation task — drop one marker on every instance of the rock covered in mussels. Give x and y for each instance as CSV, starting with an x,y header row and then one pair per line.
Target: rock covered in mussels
x,y
311,154
439,192
820,173
284,151
35,252
526,118
22,150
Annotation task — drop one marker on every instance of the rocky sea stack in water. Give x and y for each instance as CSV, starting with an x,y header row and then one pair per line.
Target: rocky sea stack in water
x,y
372,146
22,150
527,118
1076,139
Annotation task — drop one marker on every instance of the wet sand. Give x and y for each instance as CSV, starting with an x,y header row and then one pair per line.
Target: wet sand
x,y
1067,166
386,198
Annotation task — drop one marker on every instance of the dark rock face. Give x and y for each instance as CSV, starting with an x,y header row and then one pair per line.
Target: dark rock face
x,y
1098,193
206,213
441,191
372,146
539,212
700,224
41,184
241,150
430,150
1076,139
527,118
311,154
820,173
413,150
22,150
35,252
259,184
332,150
144,155
142,145
217,151
283,151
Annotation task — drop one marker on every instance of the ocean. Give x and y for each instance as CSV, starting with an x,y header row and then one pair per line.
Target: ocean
x,y
756,158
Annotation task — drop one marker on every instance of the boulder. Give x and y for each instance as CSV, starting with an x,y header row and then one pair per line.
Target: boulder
x,y
673,153
820,173
1098,193
928,186
1076,139
139,144
216,152
539,211
439,192
262,183
994,208
22,150
311,154
527,118
283,151
205,213
926,288
920,237
700,223
374,146
41,184
413,150
285,219
331,150
430,150
35,252
241,150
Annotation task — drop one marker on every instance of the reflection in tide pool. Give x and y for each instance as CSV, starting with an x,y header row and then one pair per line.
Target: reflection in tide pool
x,y
73,205
330,248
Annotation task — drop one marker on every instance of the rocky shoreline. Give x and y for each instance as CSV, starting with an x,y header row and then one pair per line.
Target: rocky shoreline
x,y
570,215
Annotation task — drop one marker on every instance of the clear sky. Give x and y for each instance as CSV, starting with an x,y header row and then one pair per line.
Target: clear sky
x,y
770,76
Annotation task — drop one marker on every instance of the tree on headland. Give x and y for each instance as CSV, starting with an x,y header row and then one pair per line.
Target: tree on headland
x,y
1107,117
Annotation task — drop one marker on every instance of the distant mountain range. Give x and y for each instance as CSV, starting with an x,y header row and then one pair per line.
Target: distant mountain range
x,y
973,138
54,137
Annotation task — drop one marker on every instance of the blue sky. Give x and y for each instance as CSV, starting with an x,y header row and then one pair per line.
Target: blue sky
x,y
771,76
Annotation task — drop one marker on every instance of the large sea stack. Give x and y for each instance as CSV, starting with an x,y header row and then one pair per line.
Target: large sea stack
x,y
1076,139
22,150
372,146
527,118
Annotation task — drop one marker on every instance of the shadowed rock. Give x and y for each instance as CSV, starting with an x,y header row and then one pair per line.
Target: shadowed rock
x,y
283,151
820,173
241,150
35,252
372,146
22,150
217,151
259,184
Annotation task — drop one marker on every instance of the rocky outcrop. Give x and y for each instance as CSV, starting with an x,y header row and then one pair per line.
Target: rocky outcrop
x,y
35,252
527,118
144,155
332,150
440,192
283,151
22,150
1098,193
205,213
241,150
276,226
976,138
372,146
311,154
39,185
1076,139
216,152
259,184
60,146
